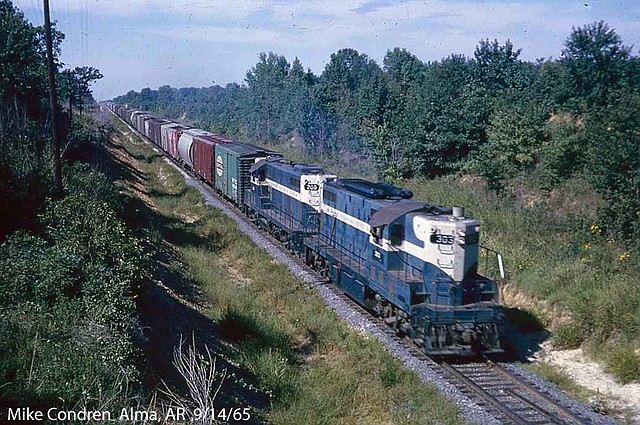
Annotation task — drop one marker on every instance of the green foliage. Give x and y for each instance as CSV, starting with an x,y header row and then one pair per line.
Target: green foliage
x,y
31,270
22,60
624,363
25,179
76,85
614,164
389,374
568,336
562,154
57,356
596,60
67,276
276,90
514,136
497,67
65,299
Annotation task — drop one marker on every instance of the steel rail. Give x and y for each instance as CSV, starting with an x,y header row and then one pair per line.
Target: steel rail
x,y
531,404
528,388
484,394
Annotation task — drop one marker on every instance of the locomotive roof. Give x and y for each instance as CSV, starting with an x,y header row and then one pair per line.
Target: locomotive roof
x,y
397,209
372,190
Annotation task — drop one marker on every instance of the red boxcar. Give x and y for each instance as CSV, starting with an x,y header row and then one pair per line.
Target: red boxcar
x,y
174,136
203,149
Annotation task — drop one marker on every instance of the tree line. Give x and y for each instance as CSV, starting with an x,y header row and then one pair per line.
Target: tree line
x,y
492,114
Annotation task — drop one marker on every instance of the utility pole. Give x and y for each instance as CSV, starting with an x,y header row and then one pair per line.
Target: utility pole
x,y
57,168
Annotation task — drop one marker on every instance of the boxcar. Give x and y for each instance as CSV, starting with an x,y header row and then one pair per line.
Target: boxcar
x,y
147,126
233,163
164,134
203,154
155,134
133,118
173,137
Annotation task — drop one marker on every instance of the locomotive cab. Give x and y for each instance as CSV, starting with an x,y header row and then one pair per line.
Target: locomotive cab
x,y
434,251
452,286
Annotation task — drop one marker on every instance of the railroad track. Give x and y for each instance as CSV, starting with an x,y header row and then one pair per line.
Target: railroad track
x,y
509,396
505,395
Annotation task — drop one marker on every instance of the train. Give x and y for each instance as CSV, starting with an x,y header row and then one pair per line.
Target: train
x,y
411,263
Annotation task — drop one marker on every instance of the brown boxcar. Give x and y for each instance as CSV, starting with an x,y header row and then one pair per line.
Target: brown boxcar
x,y
203,158
203,150
155,134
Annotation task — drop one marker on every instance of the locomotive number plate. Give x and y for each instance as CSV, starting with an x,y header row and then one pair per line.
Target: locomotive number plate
x,y
442,239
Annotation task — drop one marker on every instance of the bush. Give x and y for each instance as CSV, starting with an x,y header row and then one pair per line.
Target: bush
x,y
389,374
568,336
58,353
624,363
66,300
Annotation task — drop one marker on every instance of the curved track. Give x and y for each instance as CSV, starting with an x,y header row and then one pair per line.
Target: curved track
x,y
487,392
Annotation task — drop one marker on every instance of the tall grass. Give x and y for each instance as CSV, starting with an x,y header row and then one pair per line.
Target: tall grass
x,y
560,265
314,368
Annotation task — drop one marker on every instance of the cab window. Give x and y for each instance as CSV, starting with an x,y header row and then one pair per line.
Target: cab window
x,y
396,234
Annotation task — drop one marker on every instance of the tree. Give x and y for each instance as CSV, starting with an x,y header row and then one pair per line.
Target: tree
x,y
514,135
390,144
23,77
613,164
596,60
75,85
454,118
316,127
497,67
266,83
353,86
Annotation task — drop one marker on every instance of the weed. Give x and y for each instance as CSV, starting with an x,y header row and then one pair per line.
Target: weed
x,y
624,362
389,374
567,336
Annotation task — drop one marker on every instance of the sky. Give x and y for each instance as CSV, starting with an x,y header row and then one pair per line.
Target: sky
x,y
149,43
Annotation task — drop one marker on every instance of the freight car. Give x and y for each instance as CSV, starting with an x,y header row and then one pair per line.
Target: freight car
x,y
233,164
412,263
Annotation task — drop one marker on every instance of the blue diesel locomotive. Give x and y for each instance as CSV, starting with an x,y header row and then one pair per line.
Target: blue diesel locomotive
x,y
412,263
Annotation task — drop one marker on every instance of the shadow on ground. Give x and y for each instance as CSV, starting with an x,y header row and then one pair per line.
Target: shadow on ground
x,y
524,335
169,304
